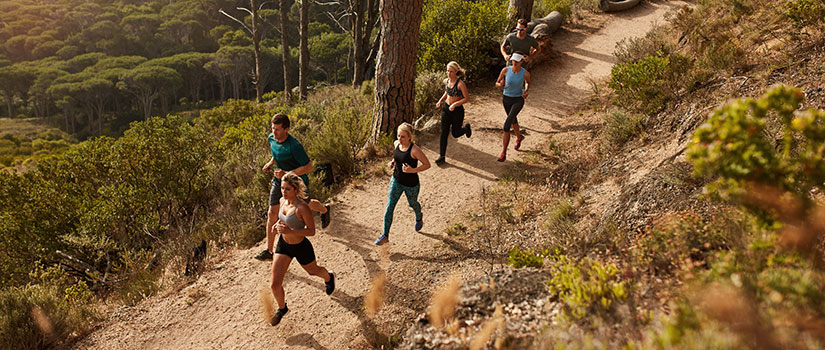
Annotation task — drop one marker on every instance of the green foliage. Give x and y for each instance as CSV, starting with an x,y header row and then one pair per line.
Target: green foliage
x,y
645,86
542,8
737,145
656,42
232,112
36,317
344,131
526,258
462,31
805,12
683,238
621,127
429,86
586,287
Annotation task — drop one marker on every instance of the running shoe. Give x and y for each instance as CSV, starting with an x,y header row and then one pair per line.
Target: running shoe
x,y
330,286
381,240
326,216
518,142
264,255
502,157
419,224
440,160
276,318
469,131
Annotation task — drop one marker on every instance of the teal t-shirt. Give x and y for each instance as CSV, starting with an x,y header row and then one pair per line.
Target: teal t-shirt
x,y
289,155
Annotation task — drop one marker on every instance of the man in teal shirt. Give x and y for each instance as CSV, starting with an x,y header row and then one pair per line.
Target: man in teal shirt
x,y
287,155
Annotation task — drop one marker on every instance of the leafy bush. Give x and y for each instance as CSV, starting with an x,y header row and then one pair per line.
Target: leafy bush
x,y
586,287
645,86
429,86
620,126
657,42
736,145
542,8
678,239
461,31
526,258
344,129
805,12
231,112
37,317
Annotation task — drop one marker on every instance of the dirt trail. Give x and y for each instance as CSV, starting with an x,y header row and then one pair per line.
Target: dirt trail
x,y
221,309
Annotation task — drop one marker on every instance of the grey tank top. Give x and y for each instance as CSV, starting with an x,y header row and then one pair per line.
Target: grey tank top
x,y
292,220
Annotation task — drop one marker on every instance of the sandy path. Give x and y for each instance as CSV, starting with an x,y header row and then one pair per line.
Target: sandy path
x,y
221,309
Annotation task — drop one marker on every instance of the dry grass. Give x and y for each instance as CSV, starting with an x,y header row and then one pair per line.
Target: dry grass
x,y
375,297
42,321
267,303
442,306
490,326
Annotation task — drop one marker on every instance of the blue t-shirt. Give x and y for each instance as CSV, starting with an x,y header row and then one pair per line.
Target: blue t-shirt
x,y
514,82
289,155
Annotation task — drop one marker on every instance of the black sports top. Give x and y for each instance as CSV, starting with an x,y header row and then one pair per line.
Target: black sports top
x,y
401,158
453,91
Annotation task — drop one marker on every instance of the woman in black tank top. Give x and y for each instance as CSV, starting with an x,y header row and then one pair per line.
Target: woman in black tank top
x,y
404,180
452,108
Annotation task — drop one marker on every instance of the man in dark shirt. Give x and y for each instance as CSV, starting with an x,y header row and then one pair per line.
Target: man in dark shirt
x,y
520,42
287,155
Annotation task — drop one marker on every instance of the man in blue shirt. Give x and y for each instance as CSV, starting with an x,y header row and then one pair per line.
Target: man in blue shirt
x,y
287,155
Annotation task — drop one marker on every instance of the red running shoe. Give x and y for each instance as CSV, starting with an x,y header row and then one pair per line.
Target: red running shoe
x,y
518,143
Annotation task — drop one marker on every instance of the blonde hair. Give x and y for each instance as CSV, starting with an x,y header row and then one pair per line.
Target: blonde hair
x,y
458,70
408,128
296,182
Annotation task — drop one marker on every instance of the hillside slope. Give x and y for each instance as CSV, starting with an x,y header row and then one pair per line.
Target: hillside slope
x,y
222,309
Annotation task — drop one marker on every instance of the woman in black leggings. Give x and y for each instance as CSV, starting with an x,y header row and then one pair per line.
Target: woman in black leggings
x,y
515,80
452,109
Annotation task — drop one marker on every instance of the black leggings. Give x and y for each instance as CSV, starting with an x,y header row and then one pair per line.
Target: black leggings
x,y
512,106
451,119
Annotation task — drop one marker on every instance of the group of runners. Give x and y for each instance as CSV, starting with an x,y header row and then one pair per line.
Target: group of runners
x,y
290,215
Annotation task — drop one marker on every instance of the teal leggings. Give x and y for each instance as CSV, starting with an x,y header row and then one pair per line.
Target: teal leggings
x,y
392,199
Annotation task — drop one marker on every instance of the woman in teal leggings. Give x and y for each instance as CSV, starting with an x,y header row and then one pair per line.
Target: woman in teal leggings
x,y
404,179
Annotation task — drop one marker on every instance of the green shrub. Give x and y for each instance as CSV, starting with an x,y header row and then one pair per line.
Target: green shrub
x,y
680,238
526,258
805,12
37,317
230,113
736,146
462,31
657,42
620,126
645,86
344,129
542,8
429,87
586,287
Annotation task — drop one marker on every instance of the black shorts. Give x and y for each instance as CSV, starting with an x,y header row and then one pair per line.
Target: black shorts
x,y
275,193
302,251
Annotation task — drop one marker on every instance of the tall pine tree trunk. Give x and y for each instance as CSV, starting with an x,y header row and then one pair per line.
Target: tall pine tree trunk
x,y
285,50
395,76
303,77
521,9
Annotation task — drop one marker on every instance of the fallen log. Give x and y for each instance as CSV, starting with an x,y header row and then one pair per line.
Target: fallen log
x,y
615,6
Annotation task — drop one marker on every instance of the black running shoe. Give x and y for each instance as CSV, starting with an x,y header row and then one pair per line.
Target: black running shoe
x,y
331,284
440,160
325,217
468,132
276,318
265,255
